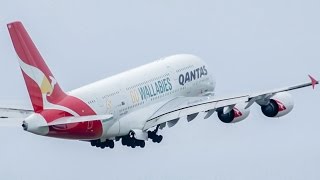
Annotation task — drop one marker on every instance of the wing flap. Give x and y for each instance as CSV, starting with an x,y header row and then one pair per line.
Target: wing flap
x,y
184,106
188,107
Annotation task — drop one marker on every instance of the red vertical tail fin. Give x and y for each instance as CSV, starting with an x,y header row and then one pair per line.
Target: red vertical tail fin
x,y
40,82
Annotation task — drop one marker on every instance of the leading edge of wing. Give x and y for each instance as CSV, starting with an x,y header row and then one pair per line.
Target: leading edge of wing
x,y
267,94
171,112
313,83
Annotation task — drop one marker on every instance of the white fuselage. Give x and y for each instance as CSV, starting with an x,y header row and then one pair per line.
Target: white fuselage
x,y
131,95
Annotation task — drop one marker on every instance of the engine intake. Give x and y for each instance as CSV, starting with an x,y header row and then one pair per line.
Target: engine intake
x,y
237,114
279,105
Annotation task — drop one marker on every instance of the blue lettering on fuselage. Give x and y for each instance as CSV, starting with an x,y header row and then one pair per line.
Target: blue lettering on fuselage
x,y
155,88
192,75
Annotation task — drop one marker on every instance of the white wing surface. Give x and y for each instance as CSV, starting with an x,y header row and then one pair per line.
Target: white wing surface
x,y
13,117
170,113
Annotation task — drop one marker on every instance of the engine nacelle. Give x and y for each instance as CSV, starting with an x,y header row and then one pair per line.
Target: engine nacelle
x,y
238,113
279,105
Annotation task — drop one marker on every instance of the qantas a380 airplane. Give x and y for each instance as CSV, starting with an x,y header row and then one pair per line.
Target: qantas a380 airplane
x,y
132,106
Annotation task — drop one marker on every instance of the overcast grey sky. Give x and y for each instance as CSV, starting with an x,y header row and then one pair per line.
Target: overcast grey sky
x,y
250,45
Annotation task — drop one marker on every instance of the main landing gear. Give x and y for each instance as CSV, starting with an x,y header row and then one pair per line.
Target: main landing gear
x,y
130,141
102,145
154,137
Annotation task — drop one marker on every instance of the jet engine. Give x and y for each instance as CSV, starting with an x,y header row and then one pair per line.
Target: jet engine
x,y
236,114
279,105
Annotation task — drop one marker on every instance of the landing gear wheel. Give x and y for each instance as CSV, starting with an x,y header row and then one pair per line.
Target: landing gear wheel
x,y
98,143
142,144
107,143
130,141
133,143
111,144
154,137
103,145
159,138
93,143
124,141
154,140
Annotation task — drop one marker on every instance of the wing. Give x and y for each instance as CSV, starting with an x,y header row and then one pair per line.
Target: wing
x,y
12,116
189,107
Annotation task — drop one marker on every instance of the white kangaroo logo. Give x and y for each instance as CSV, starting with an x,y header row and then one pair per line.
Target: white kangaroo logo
x,y
53,83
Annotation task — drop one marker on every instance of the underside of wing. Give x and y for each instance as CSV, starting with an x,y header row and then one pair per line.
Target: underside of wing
x,y
189,107
274,103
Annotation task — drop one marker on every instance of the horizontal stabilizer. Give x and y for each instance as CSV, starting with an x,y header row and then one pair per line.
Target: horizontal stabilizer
x,y
14,113
11,122
78,119
12,117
